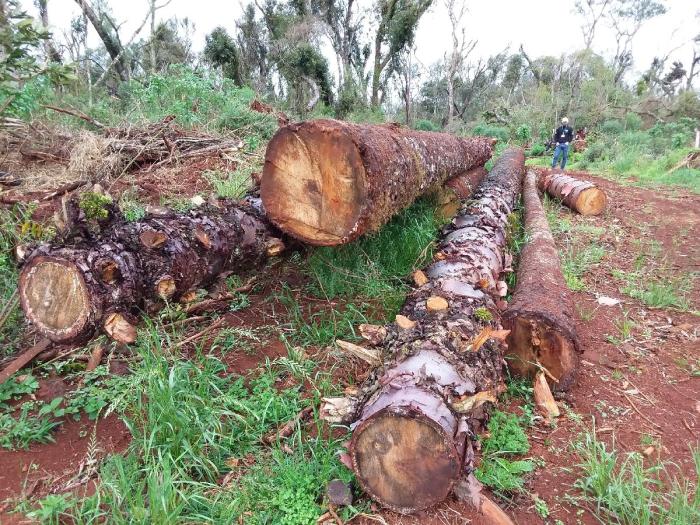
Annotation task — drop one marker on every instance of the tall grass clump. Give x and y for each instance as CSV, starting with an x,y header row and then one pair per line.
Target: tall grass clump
x,y
627,491
376,266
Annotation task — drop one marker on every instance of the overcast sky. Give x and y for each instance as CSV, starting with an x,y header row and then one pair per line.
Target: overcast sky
x,y
544,27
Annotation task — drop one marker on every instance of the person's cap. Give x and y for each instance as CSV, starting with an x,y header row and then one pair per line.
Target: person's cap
x,y
565,120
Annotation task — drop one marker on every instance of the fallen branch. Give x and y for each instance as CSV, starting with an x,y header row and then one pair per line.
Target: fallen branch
x,y
76,113
23,359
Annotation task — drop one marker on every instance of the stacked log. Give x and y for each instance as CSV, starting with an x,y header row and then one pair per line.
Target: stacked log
x,y
581,196
441,360
540,315
70,291
328,182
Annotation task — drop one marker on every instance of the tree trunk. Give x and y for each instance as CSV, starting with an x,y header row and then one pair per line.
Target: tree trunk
x,y
69,292
449,197
579,195
51,51
415,417
540,316
112,44
328,182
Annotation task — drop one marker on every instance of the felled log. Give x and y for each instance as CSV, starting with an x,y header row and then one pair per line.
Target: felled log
x,y
540,315
442,363
450,196
70,291
581,196
327,182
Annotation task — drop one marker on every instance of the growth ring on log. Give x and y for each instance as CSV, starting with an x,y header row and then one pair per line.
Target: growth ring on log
x,y
316,186
54,297
404,459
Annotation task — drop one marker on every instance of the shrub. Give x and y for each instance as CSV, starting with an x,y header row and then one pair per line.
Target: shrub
x,y
612,127
489,130
633,122
426,125
523,134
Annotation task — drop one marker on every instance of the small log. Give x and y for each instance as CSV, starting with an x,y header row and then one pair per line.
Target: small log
x,y
415,416
581,196
119,329
540,315
368,355
95,358
69,290
328,182
23,359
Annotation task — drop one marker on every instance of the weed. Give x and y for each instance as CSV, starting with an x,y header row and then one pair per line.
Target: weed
x,y
575,263
230,184
132,209
541,508
483,314
627,492
94,205
624,327
506,440
51,509
656,288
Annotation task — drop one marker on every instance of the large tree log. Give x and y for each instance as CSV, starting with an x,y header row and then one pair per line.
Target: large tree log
x,y
69,292
414,418
540,315
328,182
579,195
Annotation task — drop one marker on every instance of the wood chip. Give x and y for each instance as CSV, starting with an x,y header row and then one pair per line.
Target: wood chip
x,y
544,400
469,403
372,333
368,355
436,303
404,322
419,278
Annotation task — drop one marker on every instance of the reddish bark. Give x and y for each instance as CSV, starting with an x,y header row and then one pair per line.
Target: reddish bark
x,y
540,315
328,182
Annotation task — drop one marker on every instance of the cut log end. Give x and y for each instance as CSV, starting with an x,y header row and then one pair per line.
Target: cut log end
x,y
119,329
322,174
404,460
55,297
591,201
534,344
165,287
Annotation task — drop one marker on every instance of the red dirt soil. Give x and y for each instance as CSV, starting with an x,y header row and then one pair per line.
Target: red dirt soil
x,y
641,386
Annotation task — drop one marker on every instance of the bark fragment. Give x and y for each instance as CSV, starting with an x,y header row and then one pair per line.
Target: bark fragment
x,y
540,315
327,182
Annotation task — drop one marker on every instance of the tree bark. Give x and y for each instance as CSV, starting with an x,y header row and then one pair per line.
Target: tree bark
x,y
69,292
581,196
328,182
414,418
540,316
51,51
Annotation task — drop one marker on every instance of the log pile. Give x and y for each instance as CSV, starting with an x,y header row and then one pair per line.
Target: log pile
x,y
540,315
328,182
71,290
413,420
581,196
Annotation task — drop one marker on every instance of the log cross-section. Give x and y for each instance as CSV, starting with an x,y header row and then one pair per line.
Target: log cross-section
x,y
540,315
415,416
70,291
327,182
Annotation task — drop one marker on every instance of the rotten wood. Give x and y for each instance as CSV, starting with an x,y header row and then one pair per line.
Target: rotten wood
x,y
544,400
540,314
410,444
328,182
581,196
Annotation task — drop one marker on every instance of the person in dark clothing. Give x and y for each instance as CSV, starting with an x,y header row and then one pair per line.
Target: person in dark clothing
x,y
562,138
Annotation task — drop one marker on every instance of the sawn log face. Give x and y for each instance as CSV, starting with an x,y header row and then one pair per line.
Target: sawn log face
x,y
412,435
327,182
540,315
581,196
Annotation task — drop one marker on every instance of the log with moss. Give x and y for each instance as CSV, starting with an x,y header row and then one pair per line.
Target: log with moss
x,y
540,315
328,182
70,290
414,420
581,196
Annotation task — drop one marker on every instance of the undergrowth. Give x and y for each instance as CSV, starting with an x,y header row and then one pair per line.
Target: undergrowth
x,y
626,490
196,454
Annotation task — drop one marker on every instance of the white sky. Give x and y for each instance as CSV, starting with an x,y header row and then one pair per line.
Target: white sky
x,y
544,27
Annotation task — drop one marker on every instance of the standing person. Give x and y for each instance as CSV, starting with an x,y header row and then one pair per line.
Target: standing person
x,y
562,138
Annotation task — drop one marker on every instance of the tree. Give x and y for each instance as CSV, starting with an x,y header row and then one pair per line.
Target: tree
x,y
397,24
107,31
169,44
221,51
51,50
254,50
460,50
593,11
627,17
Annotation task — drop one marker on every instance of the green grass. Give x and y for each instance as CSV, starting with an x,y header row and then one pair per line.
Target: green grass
x,y
230,184
193,426
626,491
657,288
376,267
